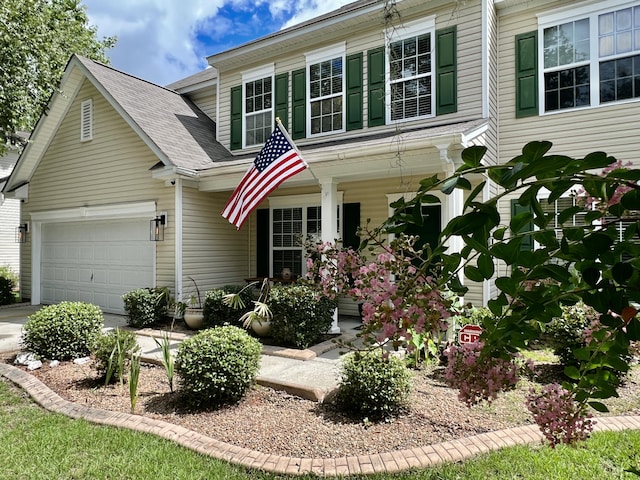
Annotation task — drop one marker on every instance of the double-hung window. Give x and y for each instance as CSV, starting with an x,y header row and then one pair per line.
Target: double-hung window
x,y
590,58
257,94
410,84
294,221
325,90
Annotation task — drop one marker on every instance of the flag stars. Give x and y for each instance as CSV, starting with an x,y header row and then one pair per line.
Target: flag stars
x,y
273,149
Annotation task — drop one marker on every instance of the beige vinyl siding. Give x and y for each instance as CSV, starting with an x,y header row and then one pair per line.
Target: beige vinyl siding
x,y
467,18
9,219
113,168
611,128
206,101
214,253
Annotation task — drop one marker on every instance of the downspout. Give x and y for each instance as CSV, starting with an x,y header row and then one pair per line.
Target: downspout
x,y
178,238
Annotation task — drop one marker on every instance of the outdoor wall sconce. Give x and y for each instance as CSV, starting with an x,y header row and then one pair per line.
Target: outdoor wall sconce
x,y
21,233
157,224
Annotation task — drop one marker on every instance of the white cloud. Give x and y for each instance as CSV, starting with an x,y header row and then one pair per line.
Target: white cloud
x,y
165,40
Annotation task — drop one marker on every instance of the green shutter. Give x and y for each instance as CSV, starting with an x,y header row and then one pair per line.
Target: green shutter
x,y
262,242
350,225
527,242
282,99
299,104
446,78
527,74
236,118
354,91
375,78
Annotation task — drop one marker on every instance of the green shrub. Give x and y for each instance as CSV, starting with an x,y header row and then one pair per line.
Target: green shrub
x,y
146,306
63,331
216,313
567,333
373,386
299,317
110,343
8,282
218,365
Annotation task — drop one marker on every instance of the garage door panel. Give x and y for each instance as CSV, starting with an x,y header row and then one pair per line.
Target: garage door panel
x,y
96,262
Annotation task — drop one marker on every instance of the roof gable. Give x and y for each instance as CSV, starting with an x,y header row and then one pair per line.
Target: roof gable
x,y
179,133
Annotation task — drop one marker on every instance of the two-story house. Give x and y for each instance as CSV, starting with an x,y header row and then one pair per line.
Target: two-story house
x,y
376,95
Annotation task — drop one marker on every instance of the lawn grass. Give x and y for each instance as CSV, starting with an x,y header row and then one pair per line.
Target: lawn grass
x,y
37,444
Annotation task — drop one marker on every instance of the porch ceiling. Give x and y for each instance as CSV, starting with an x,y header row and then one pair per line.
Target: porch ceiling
x,y
414,152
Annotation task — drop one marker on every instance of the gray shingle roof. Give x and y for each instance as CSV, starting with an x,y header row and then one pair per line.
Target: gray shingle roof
x,y
179,129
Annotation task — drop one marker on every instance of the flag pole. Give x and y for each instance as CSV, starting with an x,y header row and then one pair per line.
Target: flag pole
x,y
286,134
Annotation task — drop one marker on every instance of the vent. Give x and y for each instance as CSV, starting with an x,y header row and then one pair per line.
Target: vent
x,y
86,120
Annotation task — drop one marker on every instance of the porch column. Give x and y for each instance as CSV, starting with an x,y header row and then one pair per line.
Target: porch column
x,y
329,204
453,203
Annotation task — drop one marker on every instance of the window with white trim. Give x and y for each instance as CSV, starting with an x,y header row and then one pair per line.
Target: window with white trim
x,y
590,58
257,95
86,120
325,88
410,85
294,221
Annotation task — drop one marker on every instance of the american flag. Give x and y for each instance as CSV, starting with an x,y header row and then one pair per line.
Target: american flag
x,y
278,160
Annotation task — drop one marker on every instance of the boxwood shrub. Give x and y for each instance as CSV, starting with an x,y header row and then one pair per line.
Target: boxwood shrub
x,y
64,331
373,386
216,313
567,333
300,318
146,306
218,365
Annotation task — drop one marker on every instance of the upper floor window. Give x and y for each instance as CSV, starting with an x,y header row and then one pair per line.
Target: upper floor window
x,y
410,72
257,105
326,90
591,59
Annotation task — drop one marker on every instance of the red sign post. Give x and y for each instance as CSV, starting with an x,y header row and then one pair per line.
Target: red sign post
x,y
469,334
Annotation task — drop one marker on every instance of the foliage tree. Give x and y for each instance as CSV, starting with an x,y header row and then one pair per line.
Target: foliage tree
x,y
596,261
37,37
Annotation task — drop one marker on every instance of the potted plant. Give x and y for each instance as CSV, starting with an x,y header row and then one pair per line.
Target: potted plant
x,y
258,319
193,314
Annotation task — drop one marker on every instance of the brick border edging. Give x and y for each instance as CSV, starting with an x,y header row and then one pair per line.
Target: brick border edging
x,y
395,461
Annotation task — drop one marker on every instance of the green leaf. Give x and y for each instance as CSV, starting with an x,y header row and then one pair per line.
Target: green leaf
x,y
498,233
572,372
473,273
591,275
472,156
486,266
533,151
449,185
474,194
597,242
598,406
631,200
622,272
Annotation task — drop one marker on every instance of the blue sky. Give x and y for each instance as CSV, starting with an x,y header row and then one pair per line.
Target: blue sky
x,y
165,40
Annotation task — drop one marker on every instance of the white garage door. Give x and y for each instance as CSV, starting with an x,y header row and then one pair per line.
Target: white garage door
x,y
95,262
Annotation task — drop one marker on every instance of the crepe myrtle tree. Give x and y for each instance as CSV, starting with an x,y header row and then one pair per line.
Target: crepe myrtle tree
x,y
596,261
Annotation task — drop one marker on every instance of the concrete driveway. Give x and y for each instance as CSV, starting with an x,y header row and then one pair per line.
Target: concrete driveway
x,y
13,317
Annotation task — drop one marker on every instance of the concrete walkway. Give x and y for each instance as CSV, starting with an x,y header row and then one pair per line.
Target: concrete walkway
x,y
311,374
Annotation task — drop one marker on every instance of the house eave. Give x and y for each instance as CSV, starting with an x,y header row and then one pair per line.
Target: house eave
x,y
414,153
